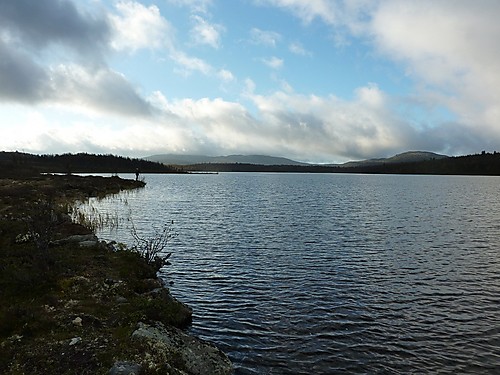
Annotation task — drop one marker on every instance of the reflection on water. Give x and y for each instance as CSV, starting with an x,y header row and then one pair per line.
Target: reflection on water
x,y
300,274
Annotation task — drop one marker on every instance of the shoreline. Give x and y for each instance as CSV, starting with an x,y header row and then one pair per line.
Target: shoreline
x,y
74,304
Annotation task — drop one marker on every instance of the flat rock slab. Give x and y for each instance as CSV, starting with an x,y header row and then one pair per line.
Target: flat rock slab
x,y
85,240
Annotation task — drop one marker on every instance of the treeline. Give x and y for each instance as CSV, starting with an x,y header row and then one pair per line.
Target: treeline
x,y
487,164
14,164
24,164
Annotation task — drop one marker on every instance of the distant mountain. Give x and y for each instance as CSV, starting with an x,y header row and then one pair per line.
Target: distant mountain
x,y
405,157
176,159
173,159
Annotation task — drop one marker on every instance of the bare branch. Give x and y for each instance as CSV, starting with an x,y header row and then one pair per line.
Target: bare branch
x,y
151,248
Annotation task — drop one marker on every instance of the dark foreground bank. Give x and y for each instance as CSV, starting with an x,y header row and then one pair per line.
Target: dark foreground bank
x,y
74,305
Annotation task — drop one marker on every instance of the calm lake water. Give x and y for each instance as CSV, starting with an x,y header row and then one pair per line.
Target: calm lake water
x,y
330,273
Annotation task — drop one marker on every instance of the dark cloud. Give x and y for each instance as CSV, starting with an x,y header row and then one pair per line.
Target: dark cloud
x,y
43,22
21,79
103,89
32,27
115,93
453,138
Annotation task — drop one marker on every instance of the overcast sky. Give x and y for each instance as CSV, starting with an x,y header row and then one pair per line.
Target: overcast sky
x,y
312,80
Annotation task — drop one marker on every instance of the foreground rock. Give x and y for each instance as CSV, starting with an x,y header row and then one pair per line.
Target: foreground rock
x,y
173,349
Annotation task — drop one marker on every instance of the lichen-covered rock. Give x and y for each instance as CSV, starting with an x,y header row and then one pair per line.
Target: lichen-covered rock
x,y
86,240
75,340
125,368
181,351
77,321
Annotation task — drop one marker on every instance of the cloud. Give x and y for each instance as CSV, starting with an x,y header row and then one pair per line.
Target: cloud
x,y
189,64
298,49
307,10
225,75
103,90
206,33
136,26
273,62
196,6
42,23
266,38
21,79
450,49
303,127
293,125
30,32
46,131
98,89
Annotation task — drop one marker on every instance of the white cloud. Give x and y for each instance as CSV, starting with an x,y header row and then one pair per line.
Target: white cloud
x,y
273,62
189,64
263,37
307,10
136,26
196,6
100,90
331,126
303,127
298,49
204,32
225,75
451,49
249,87
293,125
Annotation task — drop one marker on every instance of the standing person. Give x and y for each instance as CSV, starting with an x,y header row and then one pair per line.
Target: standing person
x,y
137,174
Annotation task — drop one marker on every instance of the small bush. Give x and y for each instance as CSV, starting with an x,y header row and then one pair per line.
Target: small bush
x,y
41,222
151,248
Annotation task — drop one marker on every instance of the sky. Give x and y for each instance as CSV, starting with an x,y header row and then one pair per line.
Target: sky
x,y
321,81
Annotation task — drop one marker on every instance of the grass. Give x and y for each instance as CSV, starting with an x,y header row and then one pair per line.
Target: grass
x,y
43,289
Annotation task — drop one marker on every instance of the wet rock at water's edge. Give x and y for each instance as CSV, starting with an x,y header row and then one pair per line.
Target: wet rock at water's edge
x,y
181,351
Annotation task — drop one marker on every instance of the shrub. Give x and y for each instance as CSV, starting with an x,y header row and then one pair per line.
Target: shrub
x,y
151,248
41,221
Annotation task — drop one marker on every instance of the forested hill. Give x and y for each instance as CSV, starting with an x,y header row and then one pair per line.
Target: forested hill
x,y
485,164
17,163
481,164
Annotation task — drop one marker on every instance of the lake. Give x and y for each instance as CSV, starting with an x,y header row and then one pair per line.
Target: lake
x,y
331,273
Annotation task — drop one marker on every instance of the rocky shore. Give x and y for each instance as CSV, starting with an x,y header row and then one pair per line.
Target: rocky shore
x,y
72,304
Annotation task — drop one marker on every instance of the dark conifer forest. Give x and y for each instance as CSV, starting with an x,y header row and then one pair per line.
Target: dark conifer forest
x,y
19,164
487,164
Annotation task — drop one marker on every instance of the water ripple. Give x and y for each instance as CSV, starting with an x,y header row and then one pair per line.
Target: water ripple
x,y
325,274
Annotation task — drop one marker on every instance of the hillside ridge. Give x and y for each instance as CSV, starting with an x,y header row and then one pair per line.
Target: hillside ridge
x,y
181,159
188,159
